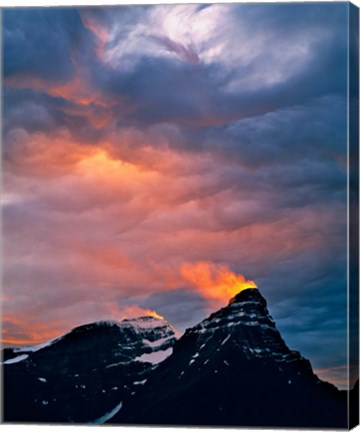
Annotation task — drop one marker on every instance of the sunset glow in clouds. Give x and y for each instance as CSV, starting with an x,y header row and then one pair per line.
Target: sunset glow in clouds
x,y
159,159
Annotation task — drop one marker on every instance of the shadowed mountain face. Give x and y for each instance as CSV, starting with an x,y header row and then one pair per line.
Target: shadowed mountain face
x,y
84,374
232,369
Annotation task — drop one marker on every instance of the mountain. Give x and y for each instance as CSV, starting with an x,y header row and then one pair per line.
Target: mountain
x,y
234,369
85,373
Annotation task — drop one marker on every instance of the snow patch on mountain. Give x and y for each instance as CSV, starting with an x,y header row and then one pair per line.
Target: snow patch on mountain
x,y
107,416
16,359
155,357
159,342
140,382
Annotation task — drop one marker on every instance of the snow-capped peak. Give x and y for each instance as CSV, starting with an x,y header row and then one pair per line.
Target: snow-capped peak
x,y
146,322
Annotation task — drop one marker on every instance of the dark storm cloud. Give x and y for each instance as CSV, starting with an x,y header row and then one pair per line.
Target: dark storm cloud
x,y
190,94
315,130
36,111
189,97
164,89
193,94
318,307
29,110
38,42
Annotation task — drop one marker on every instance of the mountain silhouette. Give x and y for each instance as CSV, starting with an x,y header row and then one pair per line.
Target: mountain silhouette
x,y
234,369
231,369
83,374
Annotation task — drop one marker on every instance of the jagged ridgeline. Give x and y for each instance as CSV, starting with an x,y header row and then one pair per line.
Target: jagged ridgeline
x,y
232,369
79,376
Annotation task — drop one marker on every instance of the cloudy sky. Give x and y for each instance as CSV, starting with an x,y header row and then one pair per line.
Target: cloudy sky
x,y
155,157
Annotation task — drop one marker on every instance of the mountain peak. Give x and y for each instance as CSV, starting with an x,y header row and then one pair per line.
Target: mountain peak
x,y
248,294
237,350
247,308
145,319
149,322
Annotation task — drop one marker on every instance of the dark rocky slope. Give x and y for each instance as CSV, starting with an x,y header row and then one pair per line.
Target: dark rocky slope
x,y
85,373
234,369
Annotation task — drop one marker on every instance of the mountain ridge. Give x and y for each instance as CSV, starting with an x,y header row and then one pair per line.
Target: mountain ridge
x,y
231,369
220,366
84,372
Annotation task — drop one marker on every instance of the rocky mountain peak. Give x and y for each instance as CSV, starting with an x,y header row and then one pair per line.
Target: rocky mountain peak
x,y
248,294
246,309
220,366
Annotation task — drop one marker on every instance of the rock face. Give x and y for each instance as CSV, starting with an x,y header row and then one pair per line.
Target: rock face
x,y
234,369
84,374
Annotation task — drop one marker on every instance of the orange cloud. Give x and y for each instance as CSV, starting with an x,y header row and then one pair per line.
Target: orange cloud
x,y
79,89
76,90
214,281
41,155
98,29
135,311
17,331
97,116
85,99
107,256
28,331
